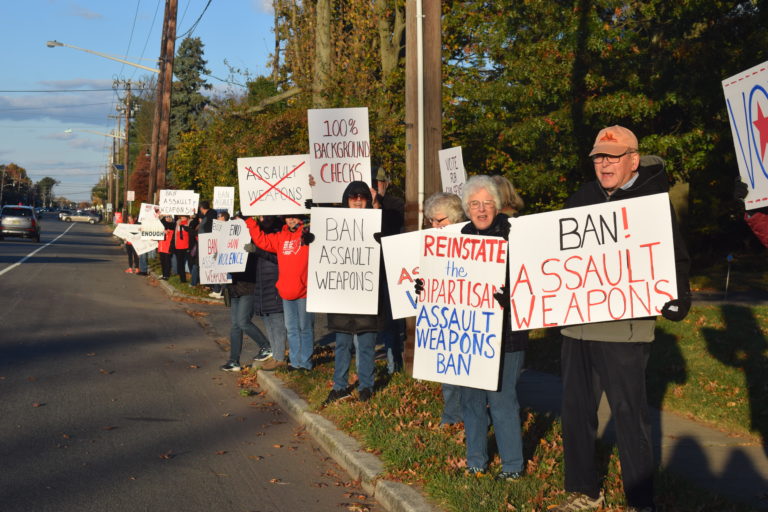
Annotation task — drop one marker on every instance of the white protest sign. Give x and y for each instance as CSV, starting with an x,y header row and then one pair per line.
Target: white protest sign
x,y
458,322
274,185
152,229
208,244
130,195
148,211
746,97
401,263
232,236
139,245
452,170
609,261
178,202
344,260
123,230
224,199
339,151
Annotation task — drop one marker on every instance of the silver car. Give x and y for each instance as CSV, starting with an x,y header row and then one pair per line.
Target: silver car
x,y
81,216
19,221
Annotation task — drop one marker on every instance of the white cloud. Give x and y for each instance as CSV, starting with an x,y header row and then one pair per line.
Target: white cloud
x,y
90,108
82,12
77,83
263,6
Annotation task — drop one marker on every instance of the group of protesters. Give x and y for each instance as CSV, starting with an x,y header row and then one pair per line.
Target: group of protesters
x,y
608,357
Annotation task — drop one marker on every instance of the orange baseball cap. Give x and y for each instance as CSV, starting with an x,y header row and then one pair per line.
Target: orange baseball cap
x,y
614,140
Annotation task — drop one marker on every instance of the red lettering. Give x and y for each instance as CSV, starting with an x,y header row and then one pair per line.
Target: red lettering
x,y
629,269
574,303
662,292
555,274
520,279
429,240
322,174
650,256
610,304
646,305
591,304
406,276
591,267
523,322
544,310
570,271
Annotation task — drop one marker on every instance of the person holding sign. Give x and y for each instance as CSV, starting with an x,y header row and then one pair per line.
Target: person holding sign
x,y
757,219
133,258
612,356
165,247
482,201
292,263
346,326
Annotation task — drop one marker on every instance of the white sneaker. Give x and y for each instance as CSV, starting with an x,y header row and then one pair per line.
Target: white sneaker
x,y
216,295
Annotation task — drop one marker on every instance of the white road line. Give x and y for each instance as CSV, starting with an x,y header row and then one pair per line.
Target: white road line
x,y
25,258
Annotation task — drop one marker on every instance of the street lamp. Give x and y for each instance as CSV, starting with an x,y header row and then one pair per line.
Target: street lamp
x,y
53,44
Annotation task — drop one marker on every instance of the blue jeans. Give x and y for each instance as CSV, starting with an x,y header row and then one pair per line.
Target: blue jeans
x,y
274,323
143,262
241,314
505,412
301,332
451,404
195,272
366,352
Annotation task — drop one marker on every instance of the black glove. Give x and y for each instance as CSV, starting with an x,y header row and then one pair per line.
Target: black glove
x,y
308,204
418,285
502,297
307,237
377,237
740,189
249,248
677,309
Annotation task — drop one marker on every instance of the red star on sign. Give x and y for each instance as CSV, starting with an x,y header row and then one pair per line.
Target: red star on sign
x,y
762,126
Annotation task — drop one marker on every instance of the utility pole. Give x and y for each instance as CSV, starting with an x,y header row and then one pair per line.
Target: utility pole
x,y
158,113
165,109
126,152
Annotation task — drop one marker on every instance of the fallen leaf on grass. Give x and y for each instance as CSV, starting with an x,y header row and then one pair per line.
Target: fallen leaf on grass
x,y
167,455
255,457
37,404
108,427
194,366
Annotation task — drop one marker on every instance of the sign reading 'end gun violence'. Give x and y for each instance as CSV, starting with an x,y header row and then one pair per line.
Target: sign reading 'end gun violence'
x,y
274,185
339,150
344,260
611,261
458,321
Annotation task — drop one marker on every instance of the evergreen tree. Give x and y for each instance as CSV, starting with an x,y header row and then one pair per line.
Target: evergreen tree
x,y
188,101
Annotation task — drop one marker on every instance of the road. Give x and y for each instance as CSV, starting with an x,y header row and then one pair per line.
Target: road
x,y
111,397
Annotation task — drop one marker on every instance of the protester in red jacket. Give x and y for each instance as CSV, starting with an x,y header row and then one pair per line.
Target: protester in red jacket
x,y
292,262
164,246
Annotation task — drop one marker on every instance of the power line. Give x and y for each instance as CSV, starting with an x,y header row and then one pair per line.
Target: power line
x,y
133,27
197,21
52,106
70,90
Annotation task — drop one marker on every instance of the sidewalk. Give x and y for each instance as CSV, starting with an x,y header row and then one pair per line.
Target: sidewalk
x,y
734,467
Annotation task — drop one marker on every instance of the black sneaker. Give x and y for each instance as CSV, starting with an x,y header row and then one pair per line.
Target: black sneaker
x,y
509,476
263,354
231,366
365,394
337,394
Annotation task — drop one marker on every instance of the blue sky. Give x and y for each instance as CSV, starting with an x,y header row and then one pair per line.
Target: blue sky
x,y
33,124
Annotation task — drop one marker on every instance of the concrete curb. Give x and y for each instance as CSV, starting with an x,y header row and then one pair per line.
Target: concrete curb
x,y
347,452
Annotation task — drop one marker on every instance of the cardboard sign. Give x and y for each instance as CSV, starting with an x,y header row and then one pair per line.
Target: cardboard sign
x,y
339,151
178,202
139,245
452,170
208,247
610,261
148,211
124,230
458,322
344,261
224,199
231,237
152,229
746,97
274,185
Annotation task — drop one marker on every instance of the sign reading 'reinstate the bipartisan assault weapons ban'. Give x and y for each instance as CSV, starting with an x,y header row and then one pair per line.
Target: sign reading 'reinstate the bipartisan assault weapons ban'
x,y
344,261
609,261
458,321
274,185
178,202
339,150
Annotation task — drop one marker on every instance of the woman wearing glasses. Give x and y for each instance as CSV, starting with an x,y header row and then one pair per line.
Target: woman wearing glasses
x,y
482,203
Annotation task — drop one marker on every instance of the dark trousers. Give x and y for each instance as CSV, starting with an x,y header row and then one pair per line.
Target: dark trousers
x,y
181,264
133,258
619,369
165,264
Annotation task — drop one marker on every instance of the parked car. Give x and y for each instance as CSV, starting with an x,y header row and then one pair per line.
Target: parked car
x,y
81,216
19,221
64,212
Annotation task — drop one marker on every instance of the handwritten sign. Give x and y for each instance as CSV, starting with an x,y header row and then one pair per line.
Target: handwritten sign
x,y
339,150
232,236
224,199
458,322
746,97
452,170
178,202
274,185
139,245
124,230
344,261
152,229
208,245
148,211
610,261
